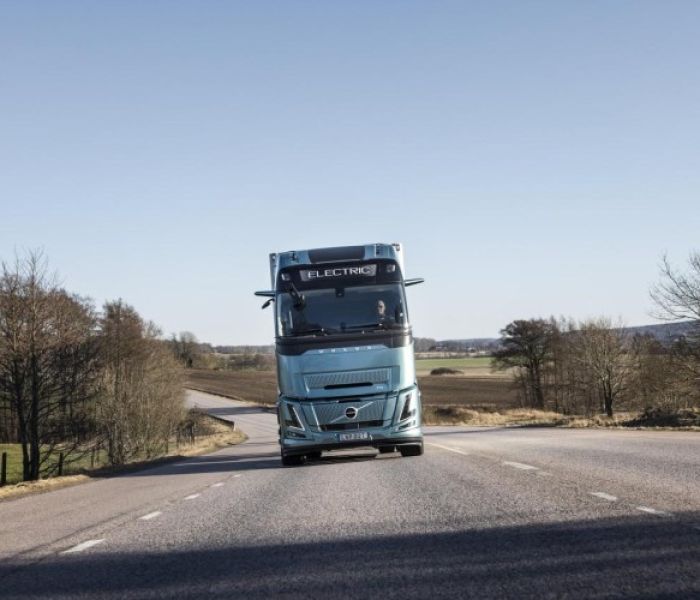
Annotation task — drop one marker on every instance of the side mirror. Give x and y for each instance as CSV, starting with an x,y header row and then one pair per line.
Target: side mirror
x,y
415,281
269,301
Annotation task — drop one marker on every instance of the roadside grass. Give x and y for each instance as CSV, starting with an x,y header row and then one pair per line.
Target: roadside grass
x,y
460,415
74,462
687,419
212,434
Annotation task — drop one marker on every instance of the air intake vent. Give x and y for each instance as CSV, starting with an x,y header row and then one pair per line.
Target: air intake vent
x,y
344,379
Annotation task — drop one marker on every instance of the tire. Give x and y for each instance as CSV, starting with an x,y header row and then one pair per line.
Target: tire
x,y
293,460
387,449
314,455
412,450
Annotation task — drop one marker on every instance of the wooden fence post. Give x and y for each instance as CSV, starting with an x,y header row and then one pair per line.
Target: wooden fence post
x,y
60,464
3,469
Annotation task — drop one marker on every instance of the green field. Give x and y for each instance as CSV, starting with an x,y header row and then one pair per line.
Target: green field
x,y
80,461
476,362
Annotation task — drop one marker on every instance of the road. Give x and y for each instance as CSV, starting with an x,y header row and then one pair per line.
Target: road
x,y
486,512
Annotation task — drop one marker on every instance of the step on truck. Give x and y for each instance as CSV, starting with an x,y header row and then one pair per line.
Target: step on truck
x,y
344,348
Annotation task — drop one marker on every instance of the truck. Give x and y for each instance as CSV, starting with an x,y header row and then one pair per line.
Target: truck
x,y
344,351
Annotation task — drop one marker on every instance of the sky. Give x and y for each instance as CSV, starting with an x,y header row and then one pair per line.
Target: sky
x,y
535,158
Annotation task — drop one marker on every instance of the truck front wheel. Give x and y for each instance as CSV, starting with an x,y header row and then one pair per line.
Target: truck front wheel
x,y
412,450
293,460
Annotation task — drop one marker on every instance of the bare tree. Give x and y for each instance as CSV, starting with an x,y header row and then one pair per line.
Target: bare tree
x,y
677,295
47,361
526,347
186,348
603,356
142,395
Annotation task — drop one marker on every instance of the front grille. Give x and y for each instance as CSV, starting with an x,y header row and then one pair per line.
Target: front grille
x,y
331,413
358,425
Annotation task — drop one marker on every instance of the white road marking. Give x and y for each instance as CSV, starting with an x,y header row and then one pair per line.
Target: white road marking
x,y
217,484
652,511
237,475
521,466
604,496
192,496
83,546
152,515
450,449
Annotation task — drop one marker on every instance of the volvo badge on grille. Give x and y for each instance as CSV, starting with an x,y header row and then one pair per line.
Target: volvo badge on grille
x,y
351,412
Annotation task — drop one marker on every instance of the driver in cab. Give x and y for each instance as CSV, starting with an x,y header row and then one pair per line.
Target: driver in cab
x,y
382,318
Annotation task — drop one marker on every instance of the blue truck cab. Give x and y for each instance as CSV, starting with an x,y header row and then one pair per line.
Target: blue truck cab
x,y
344,348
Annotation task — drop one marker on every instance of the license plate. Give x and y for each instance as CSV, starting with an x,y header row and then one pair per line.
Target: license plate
x,y
352,437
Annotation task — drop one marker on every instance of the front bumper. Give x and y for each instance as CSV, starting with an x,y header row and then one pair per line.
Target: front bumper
x,y
304,430
305,446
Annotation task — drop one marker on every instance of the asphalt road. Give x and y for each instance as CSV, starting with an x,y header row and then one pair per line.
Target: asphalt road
x,y
484,513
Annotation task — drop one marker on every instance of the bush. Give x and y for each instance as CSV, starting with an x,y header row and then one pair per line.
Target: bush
x,y
446,371
666,417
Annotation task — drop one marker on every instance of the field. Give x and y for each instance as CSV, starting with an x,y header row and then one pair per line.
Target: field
x,y
211,434
476,366
469,390
73,464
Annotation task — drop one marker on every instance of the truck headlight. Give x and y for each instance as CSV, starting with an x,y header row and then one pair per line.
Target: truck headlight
x,y
292,419
408,408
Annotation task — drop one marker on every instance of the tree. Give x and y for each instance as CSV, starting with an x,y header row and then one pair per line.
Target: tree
x,y
186,348
677,295
141,394
603,356
526,346
47,362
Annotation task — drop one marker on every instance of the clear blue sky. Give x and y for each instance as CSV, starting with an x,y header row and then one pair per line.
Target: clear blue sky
x,y
535,158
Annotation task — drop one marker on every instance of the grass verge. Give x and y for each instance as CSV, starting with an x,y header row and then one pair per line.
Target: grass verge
x,y
674,420
213,434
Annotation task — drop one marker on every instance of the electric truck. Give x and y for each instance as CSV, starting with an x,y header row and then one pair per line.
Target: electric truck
x,y
344,350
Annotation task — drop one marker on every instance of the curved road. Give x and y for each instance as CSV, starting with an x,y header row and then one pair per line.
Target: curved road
x,y
486,512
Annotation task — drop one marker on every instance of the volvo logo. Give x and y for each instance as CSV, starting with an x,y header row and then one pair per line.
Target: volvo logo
x,y
351,412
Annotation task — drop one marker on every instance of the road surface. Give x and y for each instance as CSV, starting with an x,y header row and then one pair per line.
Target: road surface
x,y
486,512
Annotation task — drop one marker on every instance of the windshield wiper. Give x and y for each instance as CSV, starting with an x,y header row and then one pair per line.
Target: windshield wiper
x,y
313,331
367,326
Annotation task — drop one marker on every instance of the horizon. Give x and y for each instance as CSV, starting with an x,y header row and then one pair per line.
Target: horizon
x,y
534,159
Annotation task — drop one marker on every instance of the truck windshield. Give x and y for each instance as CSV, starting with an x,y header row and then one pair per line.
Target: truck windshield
x,y
342,310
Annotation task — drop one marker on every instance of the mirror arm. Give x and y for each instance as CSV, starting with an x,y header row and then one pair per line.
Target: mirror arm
x,y
416,281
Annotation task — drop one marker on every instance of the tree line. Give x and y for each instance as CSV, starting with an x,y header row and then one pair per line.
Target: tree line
x,y
596,365
73,377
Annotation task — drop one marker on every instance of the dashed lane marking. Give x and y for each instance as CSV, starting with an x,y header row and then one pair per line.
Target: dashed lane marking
x,y
151,515
237,475
455,450
83,546
521,466
652,511
604,496
217,484
192,496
